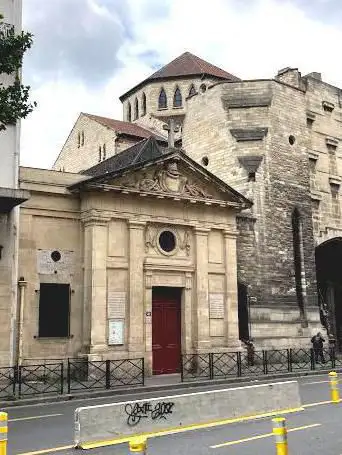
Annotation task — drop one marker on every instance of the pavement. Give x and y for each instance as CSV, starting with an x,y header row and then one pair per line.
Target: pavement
x,y
48,428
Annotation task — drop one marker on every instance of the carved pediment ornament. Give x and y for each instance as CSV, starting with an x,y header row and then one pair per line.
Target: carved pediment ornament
x,y
150,241
169,180
185,244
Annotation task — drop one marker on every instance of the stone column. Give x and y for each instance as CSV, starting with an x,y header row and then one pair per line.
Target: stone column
x,y
231,306
136,286
201,317
95,282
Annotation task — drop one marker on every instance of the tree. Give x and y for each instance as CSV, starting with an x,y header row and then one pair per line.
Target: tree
x,y
14,98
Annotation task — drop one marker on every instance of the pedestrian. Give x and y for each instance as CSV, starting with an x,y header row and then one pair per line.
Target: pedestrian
x,y
317,344
250,352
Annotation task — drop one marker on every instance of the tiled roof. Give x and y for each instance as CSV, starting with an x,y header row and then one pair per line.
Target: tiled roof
x,y
143,151
131,129
186,64
189,64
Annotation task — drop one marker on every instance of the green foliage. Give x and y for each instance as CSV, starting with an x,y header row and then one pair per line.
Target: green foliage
x,y
14,98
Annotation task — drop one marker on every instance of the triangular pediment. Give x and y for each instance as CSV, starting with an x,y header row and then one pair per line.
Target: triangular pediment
x,y
173,175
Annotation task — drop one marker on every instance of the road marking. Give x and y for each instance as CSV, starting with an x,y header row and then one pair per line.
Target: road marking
x,y
262,436
309,405
46,416
312,383
56,449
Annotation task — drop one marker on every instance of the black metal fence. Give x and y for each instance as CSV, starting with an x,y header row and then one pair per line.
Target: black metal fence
x,y
255,363
72,375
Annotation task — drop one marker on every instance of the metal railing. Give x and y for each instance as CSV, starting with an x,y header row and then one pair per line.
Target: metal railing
x,y
68,376
255,363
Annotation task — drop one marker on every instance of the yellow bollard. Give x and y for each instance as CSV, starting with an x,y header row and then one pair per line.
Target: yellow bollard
x,y
137,445
280,434
3,433
335,394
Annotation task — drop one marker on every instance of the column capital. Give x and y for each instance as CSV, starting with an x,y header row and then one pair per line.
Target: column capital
x,y
136,224
95,217
230,234
199,230
22,283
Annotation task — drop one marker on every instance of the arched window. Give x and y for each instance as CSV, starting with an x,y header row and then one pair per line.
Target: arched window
x,y
82,138
143,104
100,154
177,98
78,140
136,109
103,152
129,112
298,256
162,102
192,90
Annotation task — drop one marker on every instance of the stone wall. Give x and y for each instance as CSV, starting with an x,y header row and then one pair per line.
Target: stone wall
x,y
254,136
78,154
324,112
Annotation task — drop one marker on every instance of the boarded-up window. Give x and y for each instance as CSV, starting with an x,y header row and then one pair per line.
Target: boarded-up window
x,y
54,310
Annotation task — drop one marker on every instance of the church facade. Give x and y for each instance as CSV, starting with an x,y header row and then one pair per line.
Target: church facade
x,y
133,260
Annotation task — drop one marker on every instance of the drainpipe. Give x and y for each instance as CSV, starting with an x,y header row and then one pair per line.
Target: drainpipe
x,y
22,285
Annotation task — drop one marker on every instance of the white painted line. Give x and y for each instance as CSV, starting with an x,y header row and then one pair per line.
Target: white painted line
x,y
313,383
46,416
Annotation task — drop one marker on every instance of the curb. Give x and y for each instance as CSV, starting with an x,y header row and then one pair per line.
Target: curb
x,y
156,388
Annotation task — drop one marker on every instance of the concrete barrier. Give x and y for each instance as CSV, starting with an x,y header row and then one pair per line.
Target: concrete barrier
x,y
105,424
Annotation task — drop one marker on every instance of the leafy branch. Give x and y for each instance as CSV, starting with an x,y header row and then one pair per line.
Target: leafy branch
x,y
14,98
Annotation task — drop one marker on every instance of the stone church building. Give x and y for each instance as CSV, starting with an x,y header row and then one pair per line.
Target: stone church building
x,y
209,214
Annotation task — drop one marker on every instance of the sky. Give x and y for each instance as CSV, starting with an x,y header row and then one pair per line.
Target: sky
x,y
87,53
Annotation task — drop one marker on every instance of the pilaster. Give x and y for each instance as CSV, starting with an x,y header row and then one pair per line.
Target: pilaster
x,y
136,286
95,268
201,316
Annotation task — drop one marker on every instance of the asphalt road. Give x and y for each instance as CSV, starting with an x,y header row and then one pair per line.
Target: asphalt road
x,y
39,429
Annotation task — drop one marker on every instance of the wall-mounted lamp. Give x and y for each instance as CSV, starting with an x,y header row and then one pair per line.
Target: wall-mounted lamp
x,y
1,248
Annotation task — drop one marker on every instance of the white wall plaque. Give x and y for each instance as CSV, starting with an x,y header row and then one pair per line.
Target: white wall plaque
x,y
116,305
216,306
54,260
116,332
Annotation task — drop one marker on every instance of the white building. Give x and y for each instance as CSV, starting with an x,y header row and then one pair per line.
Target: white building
x,y
10,198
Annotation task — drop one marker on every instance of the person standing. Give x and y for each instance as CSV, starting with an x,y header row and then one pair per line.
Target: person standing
x,y
317,344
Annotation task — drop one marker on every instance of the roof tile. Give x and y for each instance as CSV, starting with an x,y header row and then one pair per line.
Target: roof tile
x,y
131,129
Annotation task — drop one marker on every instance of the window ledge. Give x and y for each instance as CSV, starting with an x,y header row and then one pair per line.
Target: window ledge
x,y
162,108
316,195
37,337
335,180
313,155
177,107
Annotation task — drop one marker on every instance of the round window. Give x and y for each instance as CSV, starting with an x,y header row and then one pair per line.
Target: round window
x,y
292,139
56,256
167,241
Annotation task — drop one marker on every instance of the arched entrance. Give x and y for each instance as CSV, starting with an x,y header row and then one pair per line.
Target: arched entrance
x,y
329,283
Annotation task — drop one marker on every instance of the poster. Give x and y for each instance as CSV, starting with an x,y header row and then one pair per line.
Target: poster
x,y
116,331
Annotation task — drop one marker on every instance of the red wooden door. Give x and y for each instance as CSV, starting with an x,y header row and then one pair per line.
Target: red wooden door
x,y
166,336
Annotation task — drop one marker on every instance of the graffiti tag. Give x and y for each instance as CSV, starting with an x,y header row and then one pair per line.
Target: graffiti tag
x,y
138,411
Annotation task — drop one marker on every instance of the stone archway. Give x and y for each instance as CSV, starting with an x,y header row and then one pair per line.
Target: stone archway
x,y
329,283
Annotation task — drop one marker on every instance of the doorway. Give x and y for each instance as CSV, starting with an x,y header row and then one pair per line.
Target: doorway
x,y
243,312
329,283
166,330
